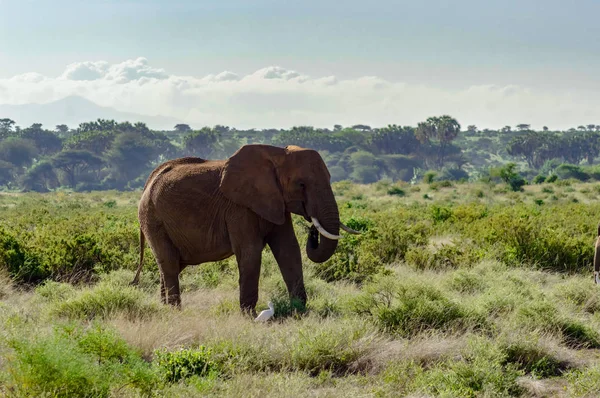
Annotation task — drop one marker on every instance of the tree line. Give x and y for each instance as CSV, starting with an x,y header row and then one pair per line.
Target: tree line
x,y
105,154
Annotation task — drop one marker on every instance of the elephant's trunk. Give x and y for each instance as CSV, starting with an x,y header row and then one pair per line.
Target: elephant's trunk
x,y
325,216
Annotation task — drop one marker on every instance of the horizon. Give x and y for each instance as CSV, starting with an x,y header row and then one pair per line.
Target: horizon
x,y
275,66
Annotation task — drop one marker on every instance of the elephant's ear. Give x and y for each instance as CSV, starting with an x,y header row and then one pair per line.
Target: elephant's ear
x,y
250,179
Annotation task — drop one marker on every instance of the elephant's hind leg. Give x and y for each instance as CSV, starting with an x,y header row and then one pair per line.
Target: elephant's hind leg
x,y
168,260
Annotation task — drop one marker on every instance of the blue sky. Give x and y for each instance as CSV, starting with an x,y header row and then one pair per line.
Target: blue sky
x,y
549,46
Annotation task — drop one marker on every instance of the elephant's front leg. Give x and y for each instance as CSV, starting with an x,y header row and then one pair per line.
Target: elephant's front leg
x,y
248,259
284,245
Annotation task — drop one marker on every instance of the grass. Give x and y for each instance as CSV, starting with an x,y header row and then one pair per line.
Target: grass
x,y
467,293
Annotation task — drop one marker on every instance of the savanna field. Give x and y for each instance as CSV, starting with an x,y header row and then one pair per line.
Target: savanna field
x,y
452,290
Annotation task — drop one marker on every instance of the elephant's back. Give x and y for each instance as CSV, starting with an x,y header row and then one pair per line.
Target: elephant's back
x,y
170,164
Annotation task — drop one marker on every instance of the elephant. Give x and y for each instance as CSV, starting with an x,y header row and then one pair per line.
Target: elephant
x,y
194,211
597,257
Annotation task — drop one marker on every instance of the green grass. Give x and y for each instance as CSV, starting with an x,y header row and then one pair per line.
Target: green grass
x,y
473,292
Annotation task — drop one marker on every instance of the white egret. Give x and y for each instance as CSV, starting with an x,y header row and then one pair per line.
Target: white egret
x,y
266,314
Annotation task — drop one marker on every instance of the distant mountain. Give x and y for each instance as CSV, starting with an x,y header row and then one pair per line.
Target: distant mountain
x,y
74,110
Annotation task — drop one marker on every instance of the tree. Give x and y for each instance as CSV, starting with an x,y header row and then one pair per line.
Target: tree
x,y
98,125
18,151
46,141
523,127
62,129
394,139
511,177
130,156
6,172
182,128
6,127
366,167
535,147
73,164
472,129
506,129
439,132
591,127
201,143
94,141
361,127
545,128
40,178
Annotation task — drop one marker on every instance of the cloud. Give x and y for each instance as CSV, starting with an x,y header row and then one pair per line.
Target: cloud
x,y
85,70
278,97
123,72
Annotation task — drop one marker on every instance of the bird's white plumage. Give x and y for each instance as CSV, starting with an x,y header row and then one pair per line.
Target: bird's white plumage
x,y
266,314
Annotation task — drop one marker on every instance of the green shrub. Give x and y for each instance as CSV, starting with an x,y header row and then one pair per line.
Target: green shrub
x,y
409,308
21,265
105,300
544,241
397,191
511,177
444,257
533,359
359,257
440,213
552,178
584,382
429,177
75,362
54,367
331,349
545,316
184,363
566,171
55,291
539,179
480,373
466,282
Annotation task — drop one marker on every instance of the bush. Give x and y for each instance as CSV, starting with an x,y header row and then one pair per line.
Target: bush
x,y
53,366
552,178
511,177
444,257
543,315
547,241
409,308
539,179
359,257
429,177
21,265
440,213
74,362
533,359
397,191
480,373
566,171
184,363
105,300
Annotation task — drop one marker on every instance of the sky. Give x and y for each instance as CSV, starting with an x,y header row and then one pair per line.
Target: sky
x,y
267,63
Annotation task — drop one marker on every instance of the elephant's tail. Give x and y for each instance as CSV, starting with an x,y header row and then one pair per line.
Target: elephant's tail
x,y
136,279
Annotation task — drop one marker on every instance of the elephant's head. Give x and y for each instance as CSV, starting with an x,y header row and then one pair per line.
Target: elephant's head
x,y
271,180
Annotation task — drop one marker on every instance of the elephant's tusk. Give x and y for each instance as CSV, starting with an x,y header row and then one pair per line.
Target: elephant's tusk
x,y
349,230
322,231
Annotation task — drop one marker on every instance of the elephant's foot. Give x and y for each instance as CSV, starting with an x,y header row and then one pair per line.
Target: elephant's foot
x,y
174,300
249,312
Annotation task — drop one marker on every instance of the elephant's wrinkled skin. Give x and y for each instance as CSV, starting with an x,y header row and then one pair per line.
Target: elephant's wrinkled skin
x,y
597,257
194,211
